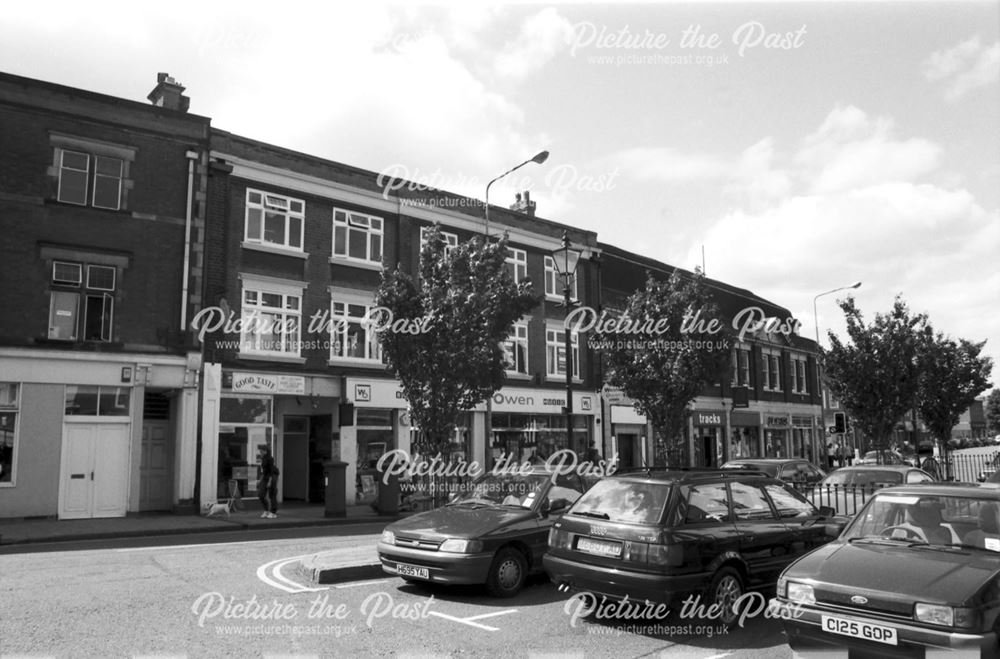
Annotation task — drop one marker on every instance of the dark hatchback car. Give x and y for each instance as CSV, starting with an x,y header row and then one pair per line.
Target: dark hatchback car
x,y
790,470
918,568
661,536
493,533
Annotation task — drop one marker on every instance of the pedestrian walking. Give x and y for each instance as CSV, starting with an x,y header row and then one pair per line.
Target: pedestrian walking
x,y
267,483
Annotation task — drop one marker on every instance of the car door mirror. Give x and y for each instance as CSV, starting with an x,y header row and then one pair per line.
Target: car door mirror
x,y
827,511
558,505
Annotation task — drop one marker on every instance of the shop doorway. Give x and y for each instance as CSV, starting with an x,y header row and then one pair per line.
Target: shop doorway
x,y
320,452
295,458
156,459
627,443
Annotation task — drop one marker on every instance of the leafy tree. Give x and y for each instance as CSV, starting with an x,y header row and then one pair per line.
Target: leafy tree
x,y
465,303
876,375
952,374
655,361
993,411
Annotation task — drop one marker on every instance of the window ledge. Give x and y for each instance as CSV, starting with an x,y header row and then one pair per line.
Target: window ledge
x,y
275,250
355,263
514,375
266,357
348,361
561,379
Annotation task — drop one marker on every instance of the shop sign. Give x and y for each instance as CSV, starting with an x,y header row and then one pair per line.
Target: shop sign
x,y
802,421
709,418
376,393
776,421
744,419
268,383
615,395
540,401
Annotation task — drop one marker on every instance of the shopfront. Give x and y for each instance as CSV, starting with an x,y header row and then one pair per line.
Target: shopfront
x,y
380,424
708,433
776,436
744,435
804,438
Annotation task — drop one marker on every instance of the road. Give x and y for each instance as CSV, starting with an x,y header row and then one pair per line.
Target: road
x,y
248,599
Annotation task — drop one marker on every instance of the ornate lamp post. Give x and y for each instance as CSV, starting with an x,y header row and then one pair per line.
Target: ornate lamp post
x,y
819,376
566,259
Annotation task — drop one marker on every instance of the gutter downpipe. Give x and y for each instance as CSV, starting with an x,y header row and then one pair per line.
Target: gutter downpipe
x,y
191,156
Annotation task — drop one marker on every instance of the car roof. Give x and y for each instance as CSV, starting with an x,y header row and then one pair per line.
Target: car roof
x,y
870,467
950,488
686,474
763,461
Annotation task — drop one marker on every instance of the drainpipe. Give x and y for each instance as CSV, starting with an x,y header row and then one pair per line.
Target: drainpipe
x,y
191,156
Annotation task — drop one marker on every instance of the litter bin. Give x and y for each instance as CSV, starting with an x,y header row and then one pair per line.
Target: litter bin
x,y
335,476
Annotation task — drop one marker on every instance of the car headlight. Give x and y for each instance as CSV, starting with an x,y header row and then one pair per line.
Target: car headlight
x,y
461,546
388,537
945,616
801,593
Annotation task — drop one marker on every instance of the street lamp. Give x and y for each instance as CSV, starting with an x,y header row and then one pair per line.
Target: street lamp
x,y
539,158
566,259
819,361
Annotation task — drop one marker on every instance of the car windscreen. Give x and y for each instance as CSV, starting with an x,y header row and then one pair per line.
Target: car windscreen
x,y
864,477
504,489
972,521
770,469
636,502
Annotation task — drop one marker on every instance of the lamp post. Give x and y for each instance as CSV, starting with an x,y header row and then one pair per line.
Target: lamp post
x,y
539,158
819,376
566,259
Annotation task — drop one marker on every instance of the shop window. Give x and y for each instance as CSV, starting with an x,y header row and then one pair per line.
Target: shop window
x,y
274,220
9,406
87,400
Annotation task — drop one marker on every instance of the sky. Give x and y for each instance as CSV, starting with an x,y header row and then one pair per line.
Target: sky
x,y
789,148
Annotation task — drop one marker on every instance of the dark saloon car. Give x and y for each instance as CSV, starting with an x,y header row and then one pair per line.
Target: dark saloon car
x,y
662,536
492,533
790,470
917,568
848,488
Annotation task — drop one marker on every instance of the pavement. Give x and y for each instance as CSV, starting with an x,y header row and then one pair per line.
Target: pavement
x,y
357,562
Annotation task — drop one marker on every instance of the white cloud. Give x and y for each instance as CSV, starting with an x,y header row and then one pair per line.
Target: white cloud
x,y
542,35
668,165
966,66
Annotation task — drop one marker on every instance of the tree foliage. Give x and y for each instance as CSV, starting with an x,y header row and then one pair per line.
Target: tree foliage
x,y
952,374
876,375
663,371
465,303
993,411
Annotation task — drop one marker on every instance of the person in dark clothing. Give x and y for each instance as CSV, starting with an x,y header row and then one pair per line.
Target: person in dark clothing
x,y
267,484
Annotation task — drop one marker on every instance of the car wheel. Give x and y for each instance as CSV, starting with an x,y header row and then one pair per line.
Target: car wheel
x,y
723,593
507,573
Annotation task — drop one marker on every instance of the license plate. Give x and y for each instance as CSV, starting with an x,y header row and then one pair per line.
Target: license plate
x,y
412,571
599,547
857,629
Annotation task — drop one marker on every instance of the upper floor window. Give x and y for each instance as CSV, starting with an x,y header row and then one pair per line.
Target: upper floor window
x,y
555,353
82,301
8,430
798,373
357,236
89,172
87,179
517,261
274,220
741,367
771,362
554,282
450,240
515,349
353,335
271,318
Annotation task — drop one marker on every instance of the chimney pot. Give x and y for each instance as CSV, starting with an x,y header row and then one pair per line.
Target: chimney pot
x,y
168,93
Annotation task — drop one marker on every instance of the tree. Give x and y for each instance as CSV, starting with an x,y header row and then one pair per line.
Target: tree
x,y
875,376
656,355
952,374
444,340
993,411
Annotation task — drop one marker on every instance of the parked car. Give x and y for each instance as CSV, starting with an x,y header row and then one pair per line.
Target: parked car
x,y
493,533
848,488
887,457
790,470
917,568
663,535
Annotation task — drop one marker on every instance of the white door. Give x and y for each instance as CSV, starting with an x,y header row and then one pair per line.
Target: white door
x,y
95,470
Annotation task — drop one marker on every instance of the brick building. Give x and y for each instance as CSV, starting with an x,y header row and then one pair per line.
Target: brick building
x,y
100,205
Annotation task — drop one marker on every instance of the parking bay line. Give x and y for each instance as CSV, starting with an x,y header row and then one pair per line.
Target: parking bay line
x,y
471,620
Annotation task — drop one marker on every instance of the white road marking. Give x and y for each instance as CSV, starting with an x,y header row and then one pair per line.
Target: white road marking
x,y
471,621
360,583
280,581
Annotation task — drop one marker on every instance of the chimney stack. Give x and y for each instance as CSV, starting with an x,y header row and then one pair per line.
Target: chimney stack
x,y
168,93
523,204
